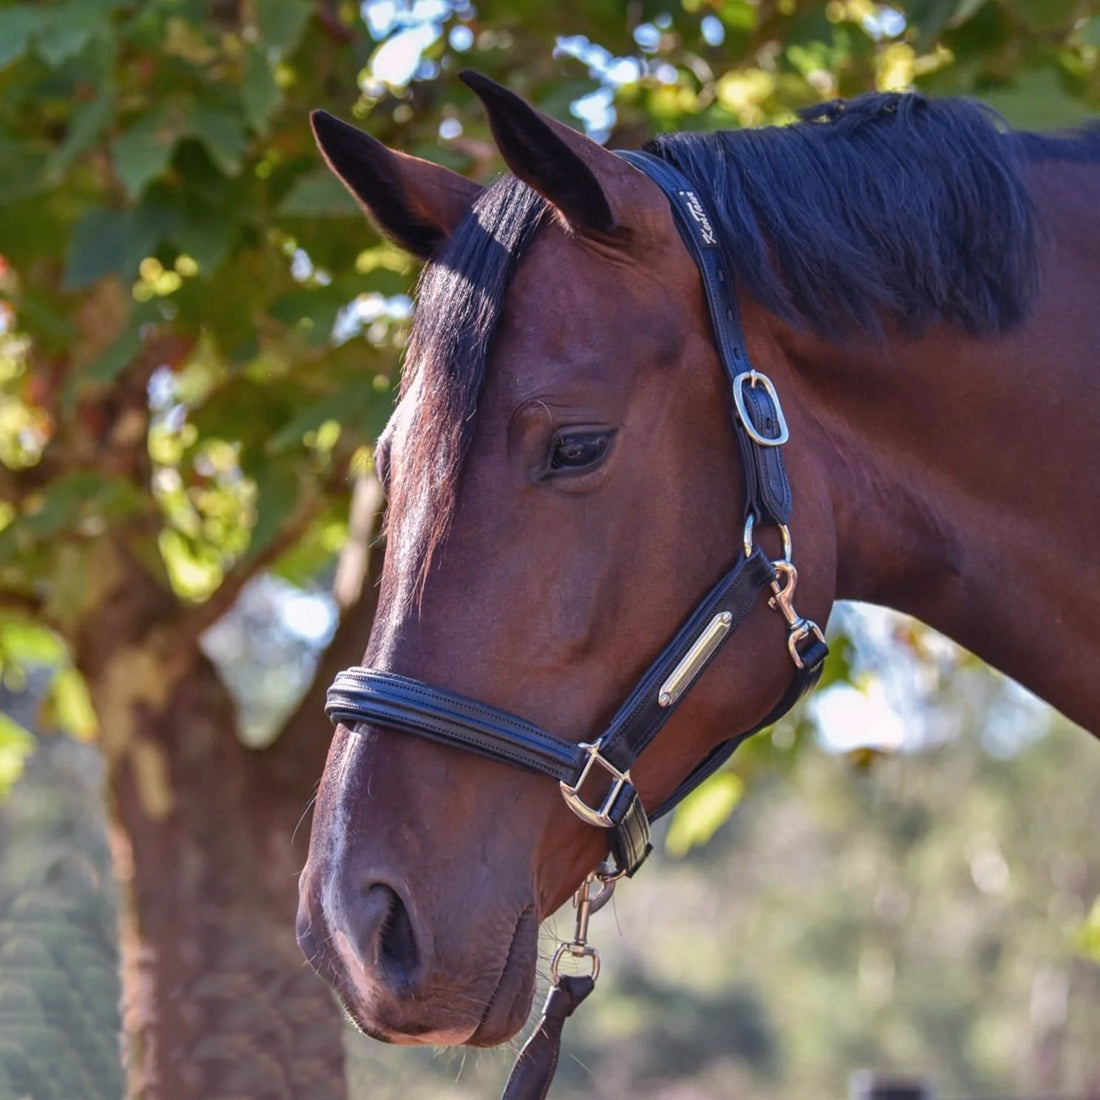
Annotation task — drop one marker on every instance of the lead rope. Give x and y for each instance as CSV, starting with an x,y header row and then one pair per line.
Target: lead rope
x,y
535,1064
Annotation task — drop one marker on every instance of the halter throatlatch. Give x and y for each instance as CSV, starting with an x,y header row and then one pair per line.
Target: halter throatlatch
x,y
412,706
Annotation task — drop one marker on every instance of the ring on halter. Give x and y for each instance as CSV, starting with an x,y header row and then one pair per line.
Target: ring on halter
x,y
784,531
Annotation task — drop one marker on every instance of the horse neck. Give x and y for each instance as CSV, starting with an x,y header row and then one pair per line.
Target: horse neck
x,y
960,481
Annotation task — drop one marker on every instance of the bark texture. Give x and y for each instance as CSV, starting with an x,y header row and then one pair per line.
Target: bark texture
x,y
217,1000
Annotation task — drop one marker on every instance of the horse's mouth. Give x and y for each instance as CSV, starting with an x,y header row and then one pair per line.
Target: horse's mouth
x,y
510,1002
505,1012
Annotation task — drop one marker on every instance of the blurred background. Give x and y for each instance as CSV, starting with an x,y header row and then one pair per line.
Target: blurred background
x,y
200,337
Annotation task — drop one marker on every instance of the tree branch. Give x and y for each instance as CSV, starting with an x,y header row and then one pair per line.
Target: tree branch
x,y
23,603
200,618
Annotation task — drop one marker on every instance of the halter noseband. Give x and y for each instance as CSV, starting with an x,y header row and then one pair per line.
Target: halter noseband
x,y
412,706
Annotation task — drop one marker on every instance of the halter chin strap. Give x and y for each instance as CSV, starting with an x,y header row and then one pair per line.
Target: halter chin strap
x,y
401,703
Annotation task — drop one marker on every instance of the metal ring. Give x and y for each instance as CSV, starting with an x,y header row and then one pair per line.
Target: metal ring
x,y
784,531
576,951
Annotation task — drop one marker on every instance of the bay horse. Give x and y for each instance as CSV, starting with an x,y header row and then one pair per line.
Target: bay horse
x,y
917,287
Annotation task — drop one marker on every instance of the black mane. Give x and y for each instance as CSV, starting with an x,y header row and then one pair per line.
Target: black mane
x,y
886,206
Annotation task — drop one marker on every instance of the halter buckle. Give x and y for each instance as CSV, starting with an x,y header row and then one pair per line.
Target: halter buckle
x,y
755,378
592,815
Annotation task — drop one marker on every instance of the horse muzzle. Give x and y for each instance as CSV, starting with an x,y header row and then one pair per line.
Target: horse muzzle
x,y
404,978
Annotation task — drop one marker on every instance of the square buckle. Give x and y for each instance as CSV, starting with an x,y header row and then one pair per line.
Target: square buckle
x,y
601,815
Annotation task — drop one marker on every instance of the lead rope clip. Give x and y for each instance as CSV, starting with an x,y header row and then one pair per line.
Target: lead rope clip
x,y
534,1067
798,628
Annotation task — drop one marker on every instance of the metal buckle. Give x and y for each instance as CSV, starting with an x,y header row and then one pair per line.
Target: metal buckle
x,y
602,816
754,378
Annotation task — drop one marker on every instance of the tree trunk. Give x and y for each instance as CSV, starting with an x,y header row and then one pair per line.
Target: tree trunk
x,y
217,1000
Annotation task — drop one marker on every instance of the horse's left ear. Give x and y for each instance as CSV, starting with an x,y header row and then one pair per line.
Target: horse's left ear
x,y
582,179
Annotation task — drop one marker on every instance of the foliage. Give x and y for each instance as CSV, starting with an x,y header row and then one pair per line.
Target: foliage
x,y
199,335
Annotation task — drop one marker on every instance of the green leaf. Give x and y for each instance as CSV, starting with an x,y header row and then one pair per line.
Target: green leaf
x,y
929,17
319,195
703,812
29,643
1089,34
362,407
312,311
69,705
70,27
97,246
117,357
1046,16
57,42
20,170
260,95
144,150
16,744
85,126
277,490
204,235
1088,935
223,134
1037,99
17,24
61,507
280,22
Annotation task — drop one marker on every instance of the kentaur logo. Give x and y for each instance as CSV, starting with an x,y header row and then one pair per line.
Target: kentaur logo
x,y
695,209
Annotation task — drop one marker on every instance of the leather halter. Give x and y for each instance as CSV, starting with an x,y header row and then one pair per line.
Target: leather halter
x,y
412,706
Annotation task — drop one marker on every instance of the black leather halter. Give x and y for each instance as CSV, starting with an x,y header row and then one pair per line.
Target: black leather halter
x,y
412,706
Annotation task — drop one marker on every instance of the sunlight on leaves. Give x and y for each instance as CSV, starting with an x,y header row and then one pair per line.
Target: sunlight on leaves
x,y
16,744
703,813
1087,938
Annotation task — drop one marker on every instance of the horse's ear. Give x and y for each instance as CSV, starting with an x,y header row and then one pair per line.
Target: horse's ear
x,y
580,178
415,202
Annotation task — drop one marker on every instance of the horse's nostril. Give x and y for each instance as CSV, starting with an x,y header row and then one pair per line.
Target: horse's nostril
x,y
388,942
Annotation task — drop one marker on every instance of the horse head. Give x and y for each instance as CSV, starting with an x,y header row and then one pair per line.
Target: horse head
x,y
564,485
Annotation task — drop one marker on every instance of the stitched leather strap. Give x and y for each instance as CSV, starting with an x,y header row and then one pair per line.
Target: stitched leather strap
x,y
805,679
767,488
641,717
399,702
533,1070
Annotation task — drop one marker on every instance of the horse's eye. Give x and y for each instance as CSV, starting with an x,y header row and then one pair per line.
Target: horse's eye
x,y
578,450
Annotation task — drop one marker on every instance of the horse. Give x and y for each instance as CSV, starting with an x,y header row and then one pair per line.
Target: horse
x,y
912,302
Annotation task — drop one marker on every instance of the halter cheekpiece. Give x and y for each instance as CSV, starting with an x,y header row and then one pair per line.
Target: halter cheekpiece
x,y
412,706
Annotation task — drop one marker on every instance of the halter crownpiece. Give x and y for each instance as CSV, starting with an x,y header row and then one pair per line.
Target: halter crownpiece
x,y
412,706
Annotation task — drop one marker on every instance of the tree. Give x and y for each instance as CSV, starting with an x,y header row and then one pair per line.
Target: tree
x,y
198,344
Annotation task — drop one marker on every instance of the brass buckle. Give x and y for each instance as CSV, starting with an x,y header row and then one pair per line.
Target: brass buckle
x,y
754,378
592,815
